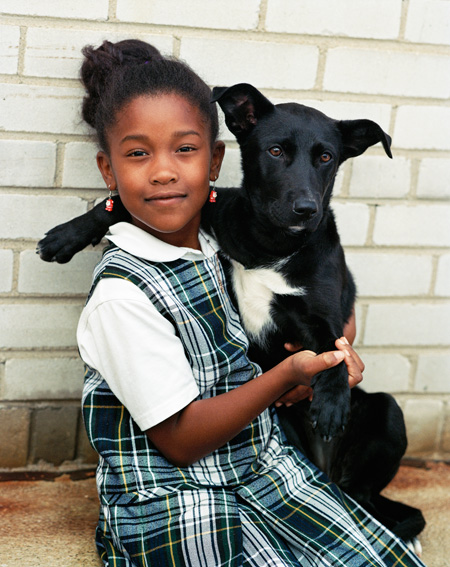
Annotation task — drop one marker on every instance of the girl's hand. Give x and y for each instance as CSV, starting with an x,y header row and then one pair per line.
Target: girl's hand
x,y
295,395
355,365
355,368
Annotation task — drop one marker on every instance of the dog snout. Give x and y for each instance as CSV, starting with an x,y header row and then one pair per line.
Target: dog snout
x,y
304,209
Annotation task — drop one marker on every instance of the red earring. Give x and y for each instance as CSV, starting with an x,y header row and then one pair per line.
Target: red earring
x,y
213,194
109,201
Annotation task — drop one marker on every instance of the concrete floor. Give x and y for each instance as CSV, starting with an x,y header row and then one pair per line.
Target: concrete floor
x,y
52,524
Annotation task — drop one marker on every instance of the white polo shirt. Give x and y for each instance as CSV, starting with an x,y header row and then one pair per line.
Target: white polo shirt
x,y
123,336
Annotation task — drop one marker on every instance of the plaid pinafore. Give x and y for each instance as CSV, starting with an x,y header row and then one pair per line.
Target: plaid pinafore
x,y
255,501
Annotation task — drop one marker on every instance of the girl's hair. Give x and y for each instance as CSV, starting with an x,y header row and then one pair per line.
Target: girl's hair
x,y
115,73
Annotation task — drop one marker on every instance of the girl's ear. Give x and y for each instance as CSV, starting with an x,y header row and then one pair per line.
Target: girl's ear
x,y
218,153
104,165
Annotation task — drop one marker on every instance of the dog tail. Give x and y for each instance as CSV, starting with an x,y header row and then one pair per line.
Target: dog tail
x,y
403,520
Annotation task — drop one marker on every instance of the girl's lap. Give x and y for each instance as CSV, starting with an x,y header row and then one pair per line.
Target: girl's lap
x,y
248,526
191,527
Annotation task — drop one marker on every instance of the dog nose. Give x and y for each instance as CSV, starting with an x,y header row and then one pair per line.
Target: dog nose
x,y
304,209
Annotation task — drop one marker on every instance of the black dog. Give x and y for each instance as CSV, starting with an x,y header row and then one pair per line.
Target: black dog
x,y
290,282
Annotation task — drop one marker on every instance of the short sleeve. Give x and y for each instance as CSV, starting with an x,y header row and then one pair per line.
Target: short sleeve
x,y
135,349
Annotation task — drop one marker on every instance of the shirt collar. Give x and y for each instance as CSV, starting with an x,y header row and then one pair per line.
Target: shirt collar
x,y
139,243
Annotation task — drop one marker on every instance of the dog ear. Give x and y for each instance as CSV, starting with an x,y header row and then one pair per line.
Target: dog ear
x,y
243,105
358,135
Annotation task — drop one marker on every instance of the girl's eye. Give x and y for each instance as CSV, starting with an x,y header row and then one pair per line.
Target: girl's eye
x,y
186,149
276,151
326,157
137,153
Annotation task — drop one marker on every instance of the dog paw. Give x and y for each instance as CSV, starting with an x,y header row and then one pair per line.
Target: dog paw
x,y
55,247
329,421
415,546
330,407
62,242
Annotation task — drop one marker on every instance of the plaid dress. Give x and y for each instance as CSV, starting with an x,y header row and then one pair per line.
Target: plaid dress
x,y
253,502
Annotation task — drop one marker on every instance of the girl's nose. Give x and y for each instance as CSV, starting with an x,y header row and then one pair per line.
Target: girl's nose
x,y
163,171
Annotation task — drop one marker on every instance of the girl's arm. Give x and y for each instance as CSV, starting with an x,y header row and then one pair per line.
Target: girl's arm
x,y
205,425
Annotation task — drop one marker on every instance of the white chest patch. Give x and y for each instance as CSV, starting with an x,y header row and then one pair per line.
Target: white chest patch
x,y
254,291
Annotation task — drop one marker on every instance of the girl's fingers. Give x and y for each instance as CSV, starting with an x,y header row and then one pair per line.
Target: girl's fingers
x,y
293,396
344,345
355,365
293,347
309,363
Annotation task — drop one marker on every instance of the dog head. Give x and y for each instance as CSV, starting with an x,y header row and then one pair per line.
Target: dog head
x,y
291,154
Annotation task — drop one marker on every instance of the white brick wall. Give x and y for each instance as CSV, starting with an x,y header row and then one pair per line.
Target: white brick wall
x,y
380,18
82,9
6,270
9,49
30,216
378,176
370,268
422,127
443,276
428,22
387,72
38,109
221,62
38,277
388,62
38,325
412,225
42,44
434,179
44,378
232,14
27,163
79,169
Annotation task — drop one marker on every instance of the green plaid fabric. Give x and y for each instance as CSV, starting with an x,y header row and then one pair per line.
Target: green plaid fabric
x,y
255,501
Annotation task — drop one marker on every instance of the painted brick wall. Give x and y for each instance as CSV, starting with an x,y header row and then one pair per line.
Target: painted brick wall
x,y
389,62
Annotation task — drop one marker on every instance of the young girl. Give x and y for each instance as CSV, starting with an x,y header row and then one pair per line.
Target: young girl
x,y
193,469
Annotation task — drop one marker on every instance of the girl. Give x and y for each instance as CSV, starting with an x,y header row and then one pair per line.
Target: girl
x,y
193,469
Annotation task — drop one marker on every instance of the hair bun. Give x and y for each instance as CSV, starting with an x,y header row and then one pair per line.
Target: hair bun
x,y
102,63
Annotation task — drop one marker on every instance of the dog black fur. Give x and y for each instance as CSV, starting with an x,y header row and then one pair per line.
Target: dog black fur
x,y
290,282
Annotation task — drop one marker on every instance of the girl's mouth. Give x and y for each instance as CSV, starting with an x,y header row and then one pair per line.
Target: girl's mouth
x,y
165,197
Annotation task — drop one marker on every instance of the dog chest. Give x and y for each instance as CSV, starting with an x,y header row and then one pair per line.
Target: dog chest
x,y
255,290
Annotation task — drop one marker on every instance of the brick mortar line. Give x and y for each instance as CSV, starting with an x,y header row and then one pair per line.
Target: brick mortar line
x,y
55,354
24,244
15,272
262,15
371,224
19,298
72,352
402,300
403,20
434,272
44,299
55,138
22,49
407,251
112,11
305,94
253,34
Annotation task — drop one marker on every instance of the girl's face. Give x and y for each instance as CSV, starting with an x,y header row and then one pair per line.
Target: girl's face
x,y
161,161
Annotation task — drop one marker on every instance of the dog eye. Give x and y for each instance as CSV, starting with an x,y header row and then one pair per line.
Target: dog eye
x,y
276,151
326,157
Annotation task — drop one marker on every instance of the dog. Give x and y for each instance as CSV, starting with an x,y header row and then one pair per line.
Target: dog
x,y
289,280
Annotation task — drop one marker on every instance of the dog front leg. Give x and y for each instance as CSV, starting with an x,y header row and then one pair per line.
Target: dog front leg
x,y
330,407
65,240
